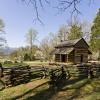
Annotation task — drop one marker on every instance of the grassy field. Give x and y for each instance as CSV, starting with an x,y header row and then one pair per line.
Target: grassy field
x,y
44,63
36,63
14,64
38,89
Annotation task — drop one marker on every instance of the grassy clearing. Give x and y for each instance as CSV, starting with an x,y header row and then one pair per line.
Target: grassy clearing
x,y
13,64
36,63
43,63
39,90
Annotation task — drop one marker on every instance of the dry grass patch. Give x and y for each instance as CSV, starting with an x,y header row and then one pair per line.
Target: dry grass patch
x,y
19,90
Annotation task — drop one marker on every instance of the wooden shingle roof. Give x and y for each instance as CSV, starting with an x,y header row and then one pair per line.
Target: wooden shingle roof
x,y
62,51
68,43
66,47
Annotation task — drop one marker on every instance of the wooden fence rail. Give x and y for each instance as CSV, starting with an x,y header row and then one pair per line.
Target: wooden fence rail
x,y
81,70
17,75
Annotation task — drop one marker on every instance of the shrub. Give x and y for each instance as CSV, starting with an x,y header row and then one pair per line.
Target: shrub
x,y
8,62
15,61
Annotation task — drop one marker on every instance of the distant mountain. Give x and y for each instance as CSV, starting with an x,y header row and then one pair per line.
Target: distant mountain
x,y
7,50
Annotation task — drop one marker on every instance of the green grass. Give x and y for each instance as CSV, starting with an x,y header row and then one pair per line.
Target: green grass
x,y
43,63
38,89
14,64
37,63
15,92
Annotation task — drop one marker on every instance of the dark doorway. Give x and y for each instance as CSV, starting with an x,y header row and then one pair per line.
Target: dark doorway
x,y
63,58
81,58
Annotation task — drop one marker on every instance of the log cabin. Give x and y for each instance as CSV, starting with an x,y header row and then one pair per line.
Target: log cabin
x,y
73,51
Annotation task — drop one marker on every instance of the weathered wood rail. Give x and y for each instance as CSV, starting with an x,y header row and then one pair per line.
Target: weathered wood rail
x,y
81,70
21,74
16,75
38,71
75,71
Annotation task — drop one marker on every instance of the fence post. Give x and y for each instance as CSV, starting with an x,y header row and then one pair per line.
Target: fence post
x,y
11,77
1,74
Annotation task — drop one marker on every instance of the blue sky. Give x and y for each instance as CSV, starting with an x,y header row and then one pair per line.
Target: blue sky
x,y
18,19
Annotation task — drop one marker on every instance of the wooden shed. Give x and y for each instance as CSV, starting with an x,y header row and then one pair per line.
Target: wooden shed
x,y
74,51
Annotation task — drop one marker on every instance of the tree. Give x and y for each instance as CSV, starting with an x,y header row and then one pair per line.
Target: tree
x,y
86,29
30,38
46,48
2,39
75,31
61,5
63,32
1,25
53,39
47,45
26,57
14,55
95,34
23,53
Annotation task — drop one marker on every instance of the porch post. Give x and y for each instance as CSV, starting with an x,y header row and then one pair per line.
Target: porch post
x,y
60,57
67,57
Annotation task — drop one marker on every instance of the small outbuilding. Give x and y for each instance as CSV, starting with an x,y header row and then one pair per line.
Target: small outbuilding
x,y
74,51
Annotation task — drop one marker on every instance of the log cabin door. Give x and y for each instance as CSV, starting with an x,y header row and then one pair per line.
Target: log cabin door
x,y
63,58
81,58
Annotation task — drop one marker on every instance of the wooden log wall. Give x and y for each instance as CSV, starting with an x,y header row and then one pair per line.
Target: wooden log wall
x,y
71,57
78,53
57,57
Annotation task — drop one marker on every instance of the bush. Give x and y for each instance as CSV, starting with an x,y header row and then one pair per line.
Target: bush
x,y
16,61
98,58
26,57
8,62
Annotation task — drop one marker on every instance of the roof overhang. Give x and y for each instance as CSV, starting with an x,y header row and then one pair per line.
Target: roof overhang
x,y
62,50
89,52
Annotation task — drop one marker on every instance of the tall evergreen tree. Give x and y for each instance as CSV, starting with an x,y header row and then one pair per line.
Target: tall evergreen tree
x,y
75,32
95,34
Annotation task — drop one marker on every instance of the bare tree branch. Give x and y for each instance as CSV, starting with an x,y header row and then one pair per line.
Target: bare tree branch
x,y
41,3
63,6
36,4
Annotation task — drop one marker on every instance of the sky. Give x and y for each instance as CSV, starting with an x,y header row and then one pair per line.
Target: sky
x,y
18,18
